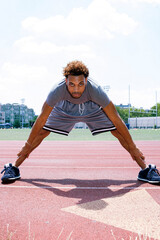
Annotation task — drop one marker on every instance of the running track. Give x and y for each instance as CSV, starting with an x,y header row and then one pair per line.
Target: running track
x,y
79,191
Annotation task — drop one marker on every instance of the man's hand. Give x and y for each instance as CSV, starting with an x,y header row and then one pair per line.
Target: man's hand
x,y
27,148
25,151
137,155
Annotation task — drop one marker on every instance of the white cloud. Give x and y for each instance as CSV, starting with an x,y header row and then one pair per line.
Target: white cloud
x,y
20,73
149,1
154,2
48,44
23,81
138,98
32,45
100,20
74,36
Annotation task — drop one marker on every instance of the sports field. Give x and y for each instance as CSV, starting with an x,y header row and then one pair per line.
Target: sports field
x,y
80,135
82,188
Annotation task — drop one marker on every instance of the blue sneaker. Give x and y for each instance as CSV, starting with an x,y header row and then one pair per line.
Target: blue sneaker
x,y
150,174
11,173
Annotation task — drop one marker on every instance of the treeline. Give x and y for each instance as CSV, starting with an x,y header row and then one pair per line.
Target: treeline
x,y
18,124
135,112
123,112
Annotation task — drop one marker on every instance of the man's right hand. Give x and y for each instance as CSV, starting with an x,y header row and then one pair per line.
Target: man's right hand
x,y
25,151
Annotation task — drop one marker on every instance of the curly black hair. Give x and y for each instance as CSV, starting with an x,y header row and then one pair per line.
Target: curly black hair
x,y
75,68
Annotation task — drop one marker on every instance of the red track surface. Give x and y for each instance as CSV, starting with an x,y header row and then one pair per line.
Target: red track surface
x,y
85,175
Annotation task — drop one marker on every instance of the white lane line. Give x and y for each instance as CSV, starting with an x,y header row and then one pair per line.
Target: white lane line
x,y
71,167
80,167
82,188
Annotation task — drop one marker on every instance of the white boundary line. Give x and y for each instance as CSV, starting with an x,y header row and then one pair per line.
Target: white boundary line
x,y
81,167
73,167
82,188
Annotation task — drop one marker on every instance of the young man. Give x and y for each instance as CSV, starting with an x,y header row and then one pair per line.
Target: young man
x,y
78,99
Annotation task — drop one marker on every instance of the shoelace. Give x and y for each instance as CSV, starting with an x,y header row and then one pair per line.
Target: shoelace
x,y
155,170
7,170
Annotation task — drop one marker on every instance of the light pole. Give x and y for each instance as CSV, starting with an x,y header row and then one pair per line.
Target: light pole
x,y
129,104
22,101
156,109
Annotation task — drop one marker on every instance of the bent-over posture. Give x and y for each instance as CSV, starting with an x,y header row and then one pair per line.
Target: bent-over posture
x,y
78,99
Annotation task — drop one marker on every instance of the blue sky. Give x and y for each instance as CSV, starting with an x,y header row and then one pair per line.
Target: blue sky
x,y
117,39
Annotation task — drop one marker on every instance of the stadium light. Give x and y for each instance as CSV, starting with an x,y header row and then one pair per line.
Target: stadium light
x,y
106,88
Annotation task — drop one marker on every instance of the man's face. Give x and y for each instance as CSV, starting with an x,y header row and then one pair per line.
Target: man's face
x,y
76,85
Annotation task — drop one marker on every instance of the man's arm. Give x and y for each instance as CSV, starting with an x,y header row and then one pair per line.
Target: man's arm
x,y
40,122
113,115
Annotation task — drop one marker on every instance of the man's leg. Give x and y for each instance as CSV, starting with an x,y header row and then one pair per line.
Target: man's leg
x,y
42,134
116,134
122,141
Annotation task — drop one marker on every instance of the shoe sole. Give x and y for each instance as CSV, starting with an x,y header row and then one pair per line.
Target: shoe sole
x,y
10,179
145,180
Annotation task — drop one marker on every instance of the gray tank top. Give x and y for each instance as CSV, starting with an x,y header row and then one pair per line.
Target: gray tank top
x,y
92,100
92,92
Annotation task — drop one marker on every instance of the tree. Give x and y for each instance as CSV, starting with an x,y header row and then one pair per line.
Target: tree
x,y
123,112
136,112
31,122
16,123
158,108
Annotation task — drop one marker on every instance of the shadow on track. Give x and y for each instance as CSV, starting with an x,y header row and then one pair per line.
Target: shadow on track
x,y
86,190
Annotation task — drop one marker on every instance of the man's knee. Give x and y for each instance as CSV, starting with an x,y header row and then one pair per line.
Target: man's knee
x,y
43,133
115,133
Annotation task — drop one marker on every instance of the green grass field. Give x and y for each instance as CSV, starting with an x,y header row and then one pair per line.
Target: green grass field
x,y
80,135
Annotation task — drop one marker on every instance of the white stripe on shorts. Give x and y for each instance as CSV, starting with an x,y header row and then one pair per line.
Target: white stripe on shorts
x,y
55,130
96,131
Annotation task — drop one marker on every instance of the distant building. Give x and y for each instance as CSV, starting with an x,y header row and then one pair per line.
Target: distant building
x,y
12,112
2,117
123,106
